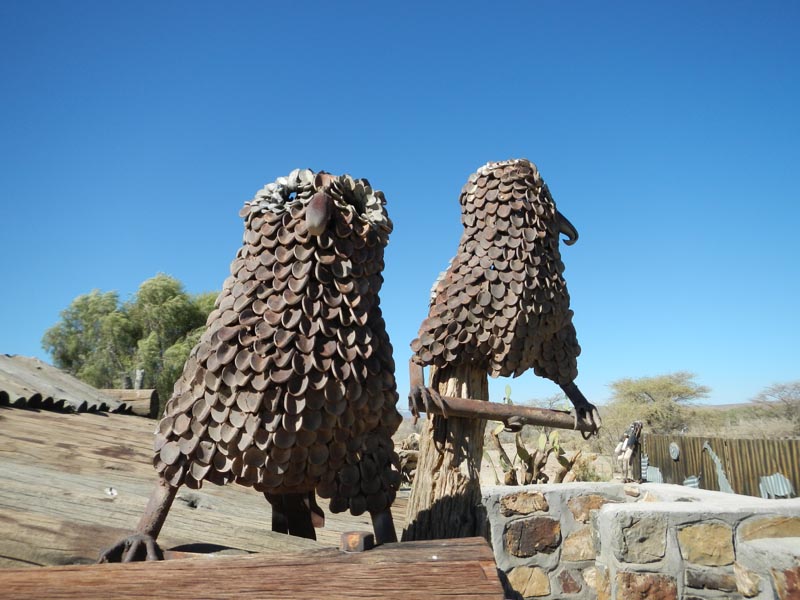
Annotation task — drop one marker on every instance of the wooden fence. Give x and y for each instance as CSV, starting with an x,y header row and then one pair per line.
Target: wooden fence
x,y
742,461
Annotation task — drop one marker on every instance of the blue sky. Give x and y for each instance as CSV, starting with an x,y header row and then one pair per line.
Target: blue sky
x,y
132,133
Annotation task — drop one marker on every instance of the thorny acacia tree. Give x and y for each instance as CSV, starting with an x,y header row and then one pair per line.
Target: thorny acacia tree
x,y
660,401
783,400
102,341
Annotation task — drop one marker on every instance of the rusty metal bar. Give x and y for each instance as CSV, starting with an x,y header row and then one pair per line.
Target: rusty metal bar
x,y
492,411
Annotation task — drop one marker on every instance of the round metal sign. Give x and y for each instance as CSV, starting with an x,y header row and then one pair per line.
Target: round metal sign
x,y
674,451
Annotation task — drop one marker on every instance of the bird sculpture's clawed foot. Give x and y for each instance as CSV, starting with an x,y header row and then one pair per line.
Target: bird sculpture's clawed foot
x,y
136,547
421,399
586,413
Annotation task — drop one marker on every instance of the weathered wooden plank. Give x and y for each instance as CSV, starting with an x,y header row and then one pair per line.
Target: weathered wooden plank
x,y
71,484
143,402
452,569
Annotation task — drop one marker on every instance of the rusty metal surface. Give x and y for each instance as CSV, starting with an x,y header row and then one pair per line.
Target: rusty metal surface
x,y
291,387
30,383
522,415
503,303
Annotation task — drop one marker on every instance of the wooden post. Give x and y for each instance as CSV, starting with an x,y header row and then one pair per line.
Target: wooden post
x,y
143,402
446,495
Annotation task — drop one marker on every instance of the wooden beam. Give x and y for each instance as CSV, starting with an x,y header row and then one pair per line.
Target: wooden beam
x,y
143,402
434,570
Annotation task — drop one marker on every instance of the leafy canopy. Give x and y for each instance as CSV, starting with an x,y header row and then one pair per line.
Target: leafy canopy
x,y
658,401
105,342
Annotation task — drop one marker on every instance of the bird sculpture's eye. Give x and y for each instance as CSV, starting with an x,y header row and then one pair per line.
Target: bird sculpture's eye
x,y
359,204
357,198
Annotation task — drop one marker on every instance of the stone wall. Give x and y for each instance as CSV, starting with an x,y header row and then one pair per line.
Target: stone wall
x,y
589,540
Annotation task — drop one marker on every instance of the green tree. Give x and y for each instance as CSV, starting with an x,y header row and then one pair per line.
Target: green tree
x,y
660,401
94,340
103,341
162,307
167,316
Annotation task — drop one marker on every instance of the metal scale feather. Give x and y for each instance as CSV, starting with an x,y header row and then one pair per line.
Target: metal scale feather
x,y
291,387
503,303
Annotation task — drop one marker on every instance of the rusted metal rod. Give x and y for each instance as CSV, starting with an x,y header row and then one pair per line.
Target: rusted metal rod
x,y
493,411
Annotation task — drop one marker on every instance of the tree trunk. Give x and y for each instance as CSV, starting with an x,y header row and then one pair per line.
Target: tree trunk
x,y
446,494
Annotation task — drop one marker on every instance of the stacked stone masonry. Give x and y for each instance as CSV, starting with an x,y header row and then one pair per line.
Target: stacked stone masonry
x,y
656,541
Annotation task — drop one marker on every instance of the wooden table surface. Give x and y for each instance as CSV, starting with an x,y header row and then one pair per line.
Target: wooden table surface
x,y
71,484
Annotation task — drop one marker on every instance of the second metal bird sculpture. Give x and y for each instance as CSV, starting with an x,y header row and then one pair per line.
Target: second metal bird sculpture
x,y
502,305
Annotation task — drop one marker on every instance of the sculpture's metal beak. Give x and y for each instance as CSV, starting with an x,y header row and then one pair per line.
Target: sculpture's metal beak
x,y
567,228
318,213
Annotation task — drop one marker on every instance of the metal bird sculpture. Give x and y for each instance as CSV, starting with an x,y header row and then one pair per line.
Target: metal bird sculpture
x,y
291,389
502,305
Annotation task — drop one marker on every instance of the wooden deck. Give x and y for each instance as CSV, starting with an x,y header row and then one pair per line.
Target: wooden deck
x,y
71,484
433,570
